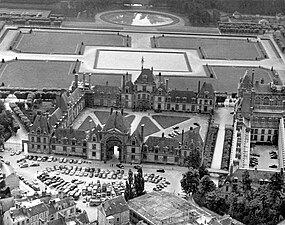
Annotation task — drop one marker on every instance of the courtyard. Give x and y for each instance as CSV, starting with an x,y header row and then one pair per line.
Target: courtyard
x,y
214,47
65,42
37,74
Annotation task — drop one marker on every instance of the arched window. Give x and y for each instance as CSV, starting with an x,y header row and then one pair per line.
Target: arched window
x,y
257,100
266,101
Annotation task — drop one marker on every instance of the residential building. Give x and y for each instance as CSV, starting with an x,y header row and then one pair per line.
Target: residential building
x,y
114,212
41,211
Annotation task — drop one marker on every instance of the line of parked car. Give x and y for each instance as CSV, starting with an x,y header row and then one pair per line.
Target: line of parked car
x,y
95,193
87,172
67,188
55,159
34,184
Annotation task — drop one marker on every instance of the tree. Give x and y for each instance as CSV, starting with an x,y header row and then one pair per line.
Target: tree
x,y
127,191
2,184
246,184
190,181
203,171
193,159
206,185
2,106
131,183
139,183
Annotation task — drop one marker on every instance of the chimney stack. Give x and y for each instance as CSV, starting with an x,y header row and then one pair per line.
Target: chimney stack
x,y
111,111
166,85
127,76
122,111
182,137
124,81
252,77
83,79
198,86
76,80
142,132
90,81
152,69
90,126
130,77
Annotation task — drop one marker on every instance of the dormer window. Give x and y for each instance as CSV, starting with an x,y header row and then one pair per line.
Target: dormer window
x,y
177,99
38,130
127,90
73,142
144,78
184,99
159,92
94,138
133,142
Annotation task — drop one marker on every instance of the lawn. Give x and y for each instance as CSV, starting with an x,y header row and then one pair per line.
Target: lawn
x,y
227,79
214,48
168,121
104,115
85,124
37,74
65,42
149,126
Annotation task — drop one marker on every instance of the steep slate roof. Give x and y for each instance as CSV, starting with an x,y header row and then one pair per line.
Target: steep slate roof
x,y
70,133
246,81
37,209
83,218
163,89
206,89
115,205
116,121
193,138
150,79
130,85
55,116
190,95
59,221
41,121
106,89
71,97
165,144
19,214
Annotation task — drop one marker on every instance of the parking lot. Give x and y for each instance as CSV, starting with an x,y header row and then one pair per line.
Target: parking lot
x,y
88,180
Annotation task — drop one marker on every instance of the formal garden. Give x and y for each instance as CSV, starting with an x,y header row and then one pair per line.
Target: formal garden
x,y
37,74
214,48
66,42
168,121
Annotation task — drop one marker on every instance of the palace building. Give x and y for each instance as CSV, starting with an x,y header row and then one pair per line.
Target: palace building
x,y
53,133
258,118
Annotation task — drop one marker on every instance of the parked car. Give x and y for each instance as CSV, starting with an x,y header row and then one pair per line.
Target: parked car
x,y
34,164
120,165
160,171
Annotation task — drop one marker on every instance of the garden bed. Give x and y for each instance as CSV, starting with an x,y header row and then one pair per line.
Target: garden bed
x,y
149,126
227,149
210,145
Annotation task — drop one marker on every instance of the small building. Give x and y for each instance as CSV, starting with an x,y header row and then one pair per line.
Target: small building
x,y
114,212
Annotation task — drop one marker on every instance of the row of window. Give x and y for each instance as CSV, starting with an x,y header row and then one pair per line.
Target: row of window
x,y
263,131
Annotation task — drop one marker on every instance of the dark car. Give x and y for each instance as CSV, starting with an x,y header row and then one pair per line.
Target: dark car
x,y
160,171
137,167
34,164
120,165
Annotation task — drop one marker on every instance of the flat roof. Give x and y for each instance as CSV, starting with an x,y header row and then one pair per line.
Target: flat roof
x,y
158,207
